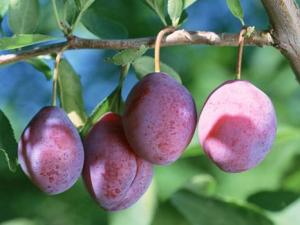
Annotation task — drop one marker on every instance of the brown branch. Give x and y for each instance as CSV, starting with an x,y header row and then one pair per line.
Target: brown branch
x,y
284,17
179,37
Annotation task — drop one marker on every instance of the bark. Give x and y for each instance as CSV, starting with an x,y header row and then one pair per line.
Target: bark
x,y
284,16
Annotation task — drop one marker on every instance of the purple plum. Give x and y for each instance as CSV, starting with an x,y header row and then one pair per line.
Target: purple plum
x,y
237,126
50,151
114,175
159,118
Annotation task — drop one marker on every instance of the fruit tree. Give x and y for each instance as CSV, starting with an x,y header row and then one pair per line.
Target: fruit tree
x,y
149,112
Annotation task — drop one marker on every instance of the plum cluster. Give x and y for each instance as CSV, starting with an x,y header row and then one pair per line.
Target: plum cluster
x,y
237,126
116,157
158,123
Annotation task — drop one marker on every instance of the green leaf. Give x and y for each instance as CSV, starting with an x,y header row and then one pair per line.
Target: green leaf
x,y
82,5
175,8
236,9
103,107
158,6
127,56
70,12
188,3
145,65
184,15
22,40
85,4
8,144
23,16
74,10
199,209
273,200
41,66
167,214
183,18
101,26
78,3
70,93
140,213
291,177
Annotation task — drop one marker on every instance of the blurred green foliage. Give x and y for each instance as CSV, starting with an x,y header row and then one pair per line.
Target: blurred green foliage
x,y
192,191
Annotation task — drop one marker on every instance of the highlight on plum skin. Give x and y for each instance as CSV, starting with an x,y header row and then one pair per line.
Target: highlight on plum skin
x,y
113,174
237,126
50,151
159,119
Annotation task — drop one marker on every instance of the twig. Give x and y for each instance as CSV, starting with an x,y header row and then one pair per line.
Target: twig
x,y
180,37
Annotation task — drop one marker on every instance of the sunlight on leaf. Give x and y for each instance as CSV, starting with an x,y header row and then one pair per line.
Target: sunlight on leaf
x,y
22,40
70,93
236,9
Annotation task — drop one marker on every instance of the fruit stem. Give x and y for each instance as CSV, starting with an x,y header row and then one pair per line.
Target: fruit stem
x,y
55,76
158,41
240,53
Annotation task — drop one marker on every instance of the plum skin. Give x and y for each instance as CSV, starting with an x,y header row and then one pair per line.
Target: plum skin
x,y
237,126
159,118
50,151
113,174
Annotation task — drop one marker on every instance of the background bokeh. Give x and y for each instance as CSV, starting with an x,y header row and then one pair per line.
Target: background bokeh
x,y
192,190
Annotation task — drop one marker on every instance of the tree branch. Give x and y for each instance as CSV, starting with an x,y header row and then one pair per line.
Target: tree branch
x,y
284,17
179,37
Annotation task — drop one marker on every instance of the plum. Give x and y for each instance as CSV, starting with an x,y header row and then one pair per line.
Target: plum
x,y
139,185
50,151
159,118
237,126
113,174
